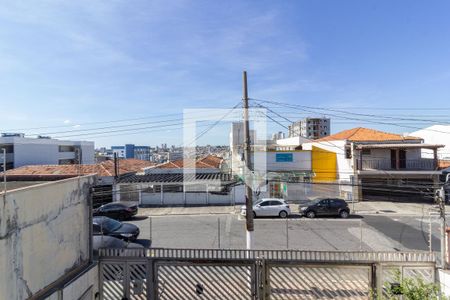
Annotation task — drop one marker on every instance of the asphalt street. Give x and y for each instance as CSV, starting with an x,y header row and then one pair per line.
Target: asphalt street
x,y
363,232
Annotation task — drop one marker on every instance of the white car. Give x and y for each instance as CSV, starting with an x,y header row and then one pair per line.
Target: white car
x,y
269,207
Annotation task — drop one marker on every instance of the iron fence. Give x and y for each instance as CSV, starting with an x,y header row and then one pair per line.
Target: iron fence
x,y
302,255
254,274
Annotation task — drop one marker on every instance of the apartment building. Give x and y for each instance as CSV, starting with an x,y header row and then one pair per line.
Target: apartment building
x,y
21,151
132,151
311,128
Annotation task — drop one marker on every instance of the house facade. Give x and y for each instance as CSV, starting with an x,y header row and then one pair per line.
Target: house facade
x,y
372,164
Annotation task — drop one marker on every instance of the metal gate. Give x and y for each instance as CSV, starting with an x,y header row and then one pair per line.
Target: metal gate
x,y
171,274
319,282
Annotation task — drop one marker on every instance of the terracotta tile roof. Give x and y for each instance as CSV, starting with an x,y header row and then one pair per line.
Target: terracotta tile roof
x,y
212,160
443,164
105,168
361,134
126,165
207,162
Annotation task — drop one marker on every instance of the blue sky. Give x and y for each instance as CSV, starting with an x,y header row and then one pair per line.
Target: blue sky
x,y
68,63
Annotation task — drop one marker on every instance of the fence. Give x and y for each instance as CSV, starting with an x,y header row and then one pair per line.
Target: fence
x,y
387,164
254,274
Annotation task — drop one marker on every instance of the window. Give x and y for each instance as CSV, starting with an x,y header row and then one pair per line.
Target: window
x,y
66,148
97,229
9,148
275,203
323,203
348,153
265,203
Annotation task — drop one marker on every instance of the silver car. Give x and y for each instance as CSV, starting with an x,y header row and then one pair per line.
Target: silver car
x,y
269,207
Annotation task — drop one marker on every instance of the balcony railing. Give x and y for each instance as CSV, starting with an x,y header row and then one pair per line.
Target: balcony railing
x,y
402,164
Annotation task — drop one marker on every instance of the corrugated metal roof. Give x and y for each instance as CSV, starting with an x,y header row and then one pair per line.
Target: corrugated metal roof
x,y
176,177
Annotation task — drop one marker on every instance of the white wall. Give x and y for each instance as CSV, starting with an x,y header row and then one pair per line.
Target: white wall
x,y
436,134
86,286
301,160
196,198
192,198
44,232
292,141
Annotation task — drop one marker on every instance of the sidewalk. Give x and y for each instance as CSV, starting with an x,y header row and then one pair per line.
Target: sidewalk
x,y
195,210
395,208
360,208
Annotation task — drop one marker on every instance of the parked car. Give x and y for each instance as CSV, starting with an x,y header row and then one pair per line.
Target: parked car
x,y
110,227
118,211
325,207
269,207
104,241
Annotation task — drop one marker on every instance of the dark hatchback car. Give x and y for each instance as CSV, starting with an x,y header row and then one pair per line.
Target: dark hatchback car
x,y
110,227
325,207
118,211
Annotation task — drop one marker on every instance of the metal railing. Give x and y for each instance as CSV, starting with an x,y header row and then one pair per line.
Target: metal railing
x,y
300,255
178,274
387,164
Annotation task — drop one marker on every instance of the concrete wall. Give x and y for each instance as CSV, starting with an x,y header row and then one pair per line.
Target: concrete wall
x,y
84,286
44,233
301,160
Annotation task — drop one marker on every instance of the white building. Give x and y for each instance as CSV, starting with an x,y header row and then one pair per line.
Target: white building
x,y
436,134
311,128
370,164
175,155
21,151
278,135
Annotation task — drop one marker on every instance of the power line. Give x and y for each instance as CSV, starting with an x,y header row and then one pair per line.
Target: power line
x,y
308,109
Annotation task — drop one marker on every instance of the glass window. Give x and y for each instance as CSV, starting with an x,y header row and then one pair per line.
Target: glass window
x,y
96,228
9,148
348,153
265,203
66,148
111,225
324,202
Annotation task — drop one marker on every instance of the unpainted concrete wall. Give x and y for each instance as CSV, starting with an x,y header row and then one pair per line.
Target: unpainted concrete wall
x,y
44,233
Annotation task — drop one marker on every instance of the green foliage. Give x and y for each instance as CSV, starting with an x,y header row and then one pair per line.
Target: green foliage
x,y
410,289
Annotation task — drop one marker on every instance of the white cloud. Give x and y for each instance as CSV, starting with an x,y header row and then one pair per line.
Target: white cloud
x,y
67,122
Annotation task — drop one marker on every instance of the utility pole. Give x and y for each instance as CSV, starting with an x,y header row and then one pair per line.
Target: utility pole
x,y
116,172
4,171
247,168
440,195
